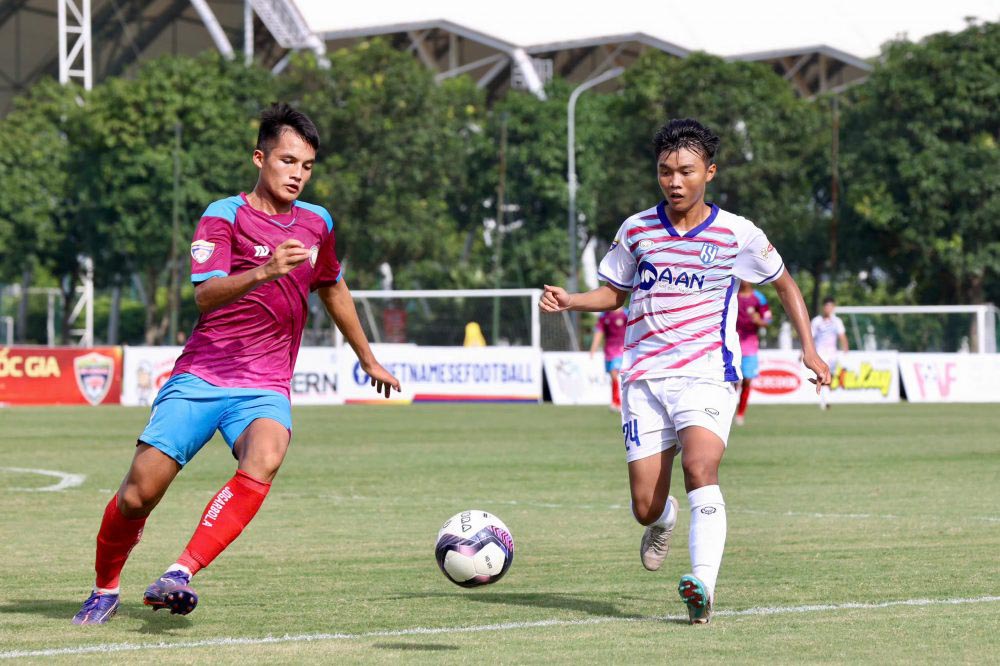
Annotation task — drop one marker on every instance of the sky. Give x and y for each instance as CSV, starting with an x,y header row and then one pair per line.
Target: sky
x,y
722,27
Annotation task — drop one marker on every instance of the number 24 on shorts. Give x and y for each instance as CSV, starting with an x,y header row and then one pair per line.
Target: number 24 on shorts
x,y
631,431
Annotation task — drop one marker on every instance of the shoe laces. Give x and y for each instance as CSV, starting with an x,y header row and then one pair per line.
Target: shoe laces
x,y
92,603
657,538
177,576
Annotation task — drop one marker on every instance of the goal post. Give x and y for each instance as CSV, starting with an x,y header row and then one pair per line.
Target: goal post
x,y
922,328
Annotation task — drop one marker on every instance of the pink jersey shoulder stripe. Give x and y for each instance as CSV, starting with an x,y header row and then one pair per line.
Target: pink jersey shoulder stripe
x,y
719,230
680,264
681,239
673,327
693,252
700,334
695,356
642,230
667,311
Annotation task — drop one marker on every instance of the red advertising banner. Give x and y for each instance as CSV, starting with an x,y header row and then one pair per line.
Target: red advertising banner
x,y
60,375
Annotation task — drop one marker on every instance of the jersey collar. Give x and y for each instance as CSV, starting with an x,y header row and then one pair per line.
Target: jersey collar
x,y
661,212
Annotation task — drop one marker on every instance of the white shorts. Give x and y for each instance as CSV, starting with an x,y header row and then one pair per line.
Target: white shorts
x,y
654,410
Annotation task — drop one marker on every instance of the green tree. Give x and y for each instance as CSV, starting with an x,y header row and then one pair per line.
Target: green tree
x,y
127,188
393,164
39,214
922,166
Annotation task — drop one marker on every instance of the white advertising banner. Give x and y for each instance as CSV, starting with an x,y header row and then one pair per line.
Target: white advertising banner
x,y
577,378
146,369
447,374
951,377
857,377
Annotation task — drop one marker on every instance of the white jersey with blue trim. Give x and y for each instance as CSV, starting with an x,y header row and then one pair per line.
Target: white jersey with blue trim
x,y
682,314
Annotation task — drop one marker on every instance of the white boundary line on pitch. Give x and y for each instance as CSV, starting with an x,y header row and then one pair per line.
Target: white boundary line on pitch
x,y
66,480
505,626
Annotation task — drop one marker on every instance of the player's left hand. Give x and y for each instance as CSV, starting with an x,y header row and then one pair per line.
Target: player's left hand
x,y
817,365
382,379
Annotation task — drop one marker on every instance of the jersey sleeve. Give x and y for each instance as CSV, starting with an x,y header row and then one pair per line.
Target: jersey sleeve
x,y
211,249
840,326
757,261
618,266
327,271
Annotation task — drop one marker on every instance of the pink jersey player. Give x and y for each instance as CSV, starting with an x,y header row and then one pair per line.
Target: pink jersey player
x,y
255,258
610,329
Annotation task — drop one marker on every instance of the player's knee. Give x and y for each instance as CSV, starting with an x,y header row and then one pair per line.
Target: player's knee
x,y
134,503
698,473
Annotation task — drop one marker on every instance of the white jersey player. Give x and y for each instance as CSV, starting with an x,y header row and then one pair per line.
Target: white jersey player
x,y
831,337
680,262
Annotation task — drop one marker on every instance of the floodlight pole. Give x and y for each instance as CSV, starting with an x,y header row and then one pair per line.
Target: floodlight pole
x,y
573,283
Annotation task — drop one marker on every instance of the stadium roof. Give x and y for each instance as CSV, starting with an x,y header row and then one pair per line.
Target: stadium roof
x,y
817,46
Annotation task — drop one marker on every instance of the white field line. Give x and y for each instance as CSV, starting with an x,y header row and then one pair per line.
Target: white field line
x,y
504,626
66,480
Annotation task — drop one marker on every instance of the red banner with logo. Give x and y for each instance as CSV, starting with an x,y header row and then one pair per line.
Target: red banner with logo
x,y
60,375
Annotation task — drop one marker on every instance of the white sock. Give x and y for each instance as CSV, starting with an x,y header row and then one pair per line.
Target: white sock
x,y
177,566
708,534
667,519
107,590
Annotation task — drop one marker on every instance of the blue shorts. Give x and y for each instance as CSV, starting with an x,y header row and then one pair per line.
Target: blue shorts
x,y
188,410
613,364
749,367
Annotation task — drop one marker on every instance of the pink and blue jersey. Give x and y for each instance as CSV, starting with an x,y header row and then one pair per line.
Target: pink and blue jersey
x,y
612,325
253,342
682,315
746,307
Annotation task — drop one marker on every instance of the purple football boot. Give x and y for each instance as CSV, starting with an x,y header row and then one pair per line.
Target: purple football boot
x,y
171,591
98,609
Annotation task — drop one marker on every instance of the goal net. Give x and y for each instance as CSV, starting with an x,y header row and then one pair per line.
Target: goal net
x,y
922,328
445,317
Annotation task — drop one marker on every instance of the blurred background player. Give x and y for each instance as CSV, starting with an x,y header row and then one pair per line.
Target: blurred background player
x,y
610,329
753,314
254,260
679,261
831,340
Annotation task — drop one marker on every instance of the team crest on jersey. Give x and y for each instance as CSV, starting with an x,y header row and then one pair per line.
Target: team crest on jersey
x,y
645,244
201,250
94,373
708,253
313,255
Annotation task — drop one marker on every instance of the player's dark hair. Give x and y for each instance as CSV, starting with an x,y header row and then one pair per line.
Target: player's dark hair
x,y
278,117
829,299
686,133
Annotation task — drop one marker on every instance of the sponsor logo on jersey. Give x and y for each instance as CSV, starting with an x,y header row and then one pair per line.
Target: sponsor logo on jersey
x,y
648,276
94,373
645,244
201,250
261,250
313,255
614,244
766,252
709,252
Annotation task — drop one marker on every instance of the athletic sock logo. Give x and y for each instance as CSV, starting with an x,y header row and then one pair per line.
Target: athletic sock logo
x,y
215,508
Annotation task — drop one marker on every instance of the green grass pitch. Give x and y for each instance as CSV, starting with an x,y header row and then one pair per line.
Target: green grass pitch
x,y
863,534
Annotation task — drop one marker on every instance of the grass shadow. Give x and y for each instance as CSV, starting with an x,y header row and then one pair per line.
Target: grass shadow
x,y
58,609
63,609
567,602
424,647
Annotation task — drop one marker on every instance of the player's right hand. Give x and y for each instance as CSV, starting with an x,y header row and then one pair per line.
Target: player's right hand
x,y
554,299
286,257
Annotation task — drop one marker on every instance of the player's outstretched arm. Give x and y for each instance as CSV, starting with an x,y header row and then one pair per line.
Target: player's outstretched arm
x,y
339,303
795,308
216,292
605,297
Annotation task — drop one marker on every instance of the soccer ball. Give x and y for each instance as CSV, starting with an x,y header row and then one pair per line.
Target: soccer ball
x,y
474,548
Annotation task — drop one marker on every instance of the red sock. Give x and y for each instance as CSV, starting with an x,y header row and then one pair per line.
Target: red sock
x,y
115,540
616,393
226,515
744,398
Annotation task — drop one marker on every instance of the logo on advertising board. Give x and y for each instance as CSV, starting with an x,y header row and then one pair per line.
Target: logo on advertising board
x,y
94,373
777,381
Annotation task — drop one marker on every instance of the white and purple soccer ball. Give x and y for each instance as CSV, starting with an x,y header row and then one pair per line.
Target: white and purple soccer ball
x,y
474,548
